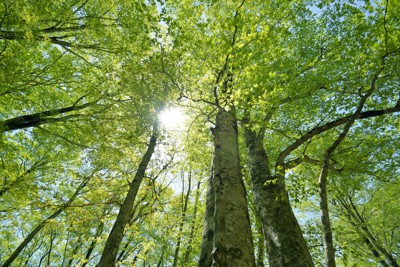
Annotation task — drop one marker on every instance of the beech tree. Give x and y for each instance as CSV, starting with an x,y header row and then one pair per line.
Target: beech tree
x,y
289,106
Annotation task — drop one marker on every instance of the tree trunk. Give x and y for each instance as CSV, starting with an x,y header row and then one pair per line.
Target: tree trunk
x,y
182,221
193,225
233,242
260,243
99,231
37,229
326,223
208,227
114,239
285,243
375,253
44,117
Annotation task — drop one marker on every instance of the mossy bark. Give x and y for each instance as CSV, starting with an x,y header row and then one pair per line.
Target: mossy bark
x,y
232,239
286,245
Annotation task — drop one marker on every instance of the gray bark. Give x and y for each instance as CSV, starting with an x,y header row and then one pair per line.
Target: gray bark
x,y
233,242
193,225
114,239
329,249
324,208
183,217
208,227
285,243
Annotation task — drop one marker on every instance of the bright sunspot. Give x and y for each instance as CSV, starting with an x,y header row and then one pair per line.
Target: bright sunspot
x,y
172,118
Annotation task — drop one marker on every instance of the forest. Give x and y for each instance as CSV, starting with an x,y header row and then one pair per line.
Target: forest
x,y
165,133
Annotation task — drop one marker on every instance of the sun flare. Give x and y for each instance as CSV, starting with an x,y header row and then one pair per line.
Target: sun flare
x,y
172,118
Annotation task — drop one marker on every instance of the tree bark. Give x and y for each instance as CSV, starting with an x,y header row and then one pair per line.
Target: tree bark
x,y
193,225
233,242
182,221
260,243
114,239
285,243
329,249
44,117
208,227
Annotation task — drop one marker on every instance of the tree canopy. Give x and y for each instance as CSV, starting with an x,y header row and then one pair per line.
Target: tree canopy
x,y
291,110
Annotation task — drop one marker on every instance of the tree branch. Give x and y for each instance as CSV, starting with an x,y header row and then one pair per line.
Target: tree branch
x,y
328,126
40,118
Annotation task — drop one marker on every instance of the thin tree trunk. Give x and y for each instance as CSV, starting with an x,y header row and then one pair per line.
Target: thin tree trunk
x,y
193,225
182,222
375,253
160,262
44,117
359,223
208,227
285,243
114,239
30,254
260,243
99,231
65,248
326,224
325,220
52,237
77,246
233,242
37,229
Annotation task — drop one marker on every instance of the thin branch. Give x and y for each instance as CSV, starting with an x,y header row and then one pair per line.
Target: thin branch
x,y
333,124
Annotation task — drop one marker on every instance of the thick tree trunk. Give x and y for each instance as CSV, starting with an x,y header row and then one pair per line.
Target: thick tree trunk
x,y
285,243
114,239
233,242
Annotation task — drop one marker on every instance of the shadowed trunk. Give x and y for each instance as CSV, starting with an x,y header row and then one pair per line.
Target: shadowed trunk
x,y
114,239
260,243
99,231
285,243
208,227
193,225
329,249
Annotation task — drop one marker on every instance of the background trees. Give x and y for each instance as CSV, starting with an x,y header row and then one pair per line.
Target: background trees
x,y
82,83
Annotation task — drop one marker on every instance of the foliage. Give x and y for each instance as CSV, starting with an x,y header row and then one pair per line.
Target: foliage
x,y
82,81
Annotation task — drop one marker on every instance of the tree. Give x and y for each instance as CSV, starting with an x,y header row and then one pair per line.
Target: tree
x,y
288,91
117,232
289,86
